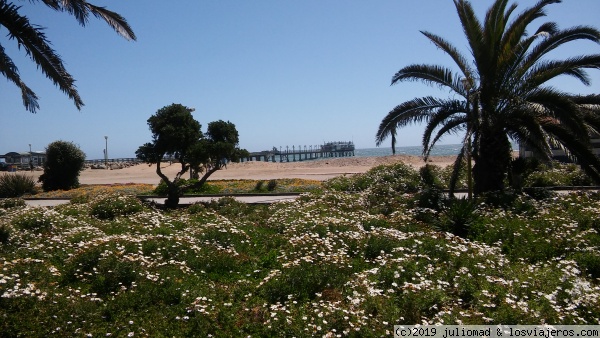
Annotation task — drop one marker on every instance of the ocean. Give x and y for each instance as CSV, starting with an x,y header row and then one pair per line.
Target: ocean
x,y
438,150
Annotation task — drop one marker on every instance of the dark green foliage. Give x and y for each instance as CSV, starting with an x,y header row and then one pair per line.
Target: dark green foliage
x,y
16,185
174,133
304,281
178,135
196,208
259,185
539,193
229,206
520,169
272,185
162,188
459,218
430,197
4,234
377,245
430,176
590,263
64,162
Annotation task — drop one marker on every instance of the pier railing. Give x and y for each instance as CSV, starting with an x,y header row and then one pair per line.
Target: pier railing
x,y
293,154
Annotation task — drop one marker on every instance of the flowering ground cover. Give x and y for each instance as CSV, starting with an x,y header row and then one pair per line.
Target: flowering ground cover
x,y
353,259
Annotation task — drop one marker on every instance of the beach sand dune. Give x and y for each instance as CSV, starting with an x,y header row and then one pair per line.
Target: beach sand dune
x,y
321,169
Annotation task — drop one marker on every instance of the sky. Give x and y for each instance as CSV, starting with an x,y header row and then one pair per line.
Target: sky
x,y
296,72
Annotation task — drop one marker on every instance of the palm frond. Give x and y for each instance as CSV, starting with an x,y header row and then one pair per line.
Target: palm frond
x,y
517,30
545,71
429,74
557,39
527,131
577,148
473,31
453,52
451,125
81,10
413,111
115,20
559,108
449,111
33,40
10,71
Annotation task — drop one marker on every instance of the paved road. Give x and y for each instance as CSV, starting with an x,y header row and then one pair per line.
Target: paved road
x,y
262,199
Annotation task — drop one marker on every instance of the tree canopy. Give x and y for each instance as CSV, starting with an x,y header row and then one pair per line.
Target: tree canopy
x,y
64,162
177,135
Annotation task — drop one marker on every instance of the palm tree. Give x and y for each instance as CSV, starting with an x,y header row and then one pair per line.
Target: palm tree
x,y
504,93
33,40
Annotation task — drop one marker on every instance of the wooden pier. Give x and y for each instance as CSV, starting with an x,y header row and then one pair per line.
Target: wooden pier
x,y
303,153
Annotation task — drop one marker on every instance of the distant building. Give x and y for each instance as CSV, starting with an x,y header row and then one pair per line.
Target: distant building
x,y
22,160
559,154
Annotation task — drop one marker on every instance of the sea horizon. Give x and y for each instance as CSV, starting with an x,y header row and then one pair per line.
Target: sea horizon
x,y
438,150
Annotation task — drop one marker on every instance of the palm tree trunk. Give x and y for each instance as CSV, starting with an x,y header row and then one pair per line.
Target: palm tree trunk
x,y
492,160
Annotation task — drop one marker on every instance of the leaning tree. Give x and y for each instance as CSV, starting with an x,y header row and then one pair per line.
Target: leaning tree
x,y
501,91
177,135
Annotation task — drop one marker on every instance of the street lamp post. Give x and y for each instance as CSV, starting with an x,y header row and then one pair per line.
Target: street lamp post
x,y
106,152
30,158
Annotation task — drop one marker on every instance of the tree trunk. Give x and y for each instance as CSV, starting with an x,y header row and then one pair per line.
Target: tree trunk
x,y
173,192
203,179
172,200
492,160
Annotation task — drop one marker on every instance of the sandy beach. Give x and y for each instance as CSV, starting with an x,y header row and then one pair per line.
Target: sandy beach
x,y
321,169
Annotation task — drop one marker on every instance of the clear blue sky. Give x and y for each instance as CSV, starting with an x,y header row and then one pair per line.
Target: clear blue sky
x,y
284,72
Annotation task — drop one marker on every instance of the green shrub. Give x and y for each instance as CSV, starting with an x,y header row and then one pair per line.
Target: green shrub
x,y
431,198
64,162
399,177
113,205
430,176
16,185
272,185
8,203
378,244
446,173
206,188
4,234
458,218
259,186
228,206
557,174
539,193
304,281
590,263
196,208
